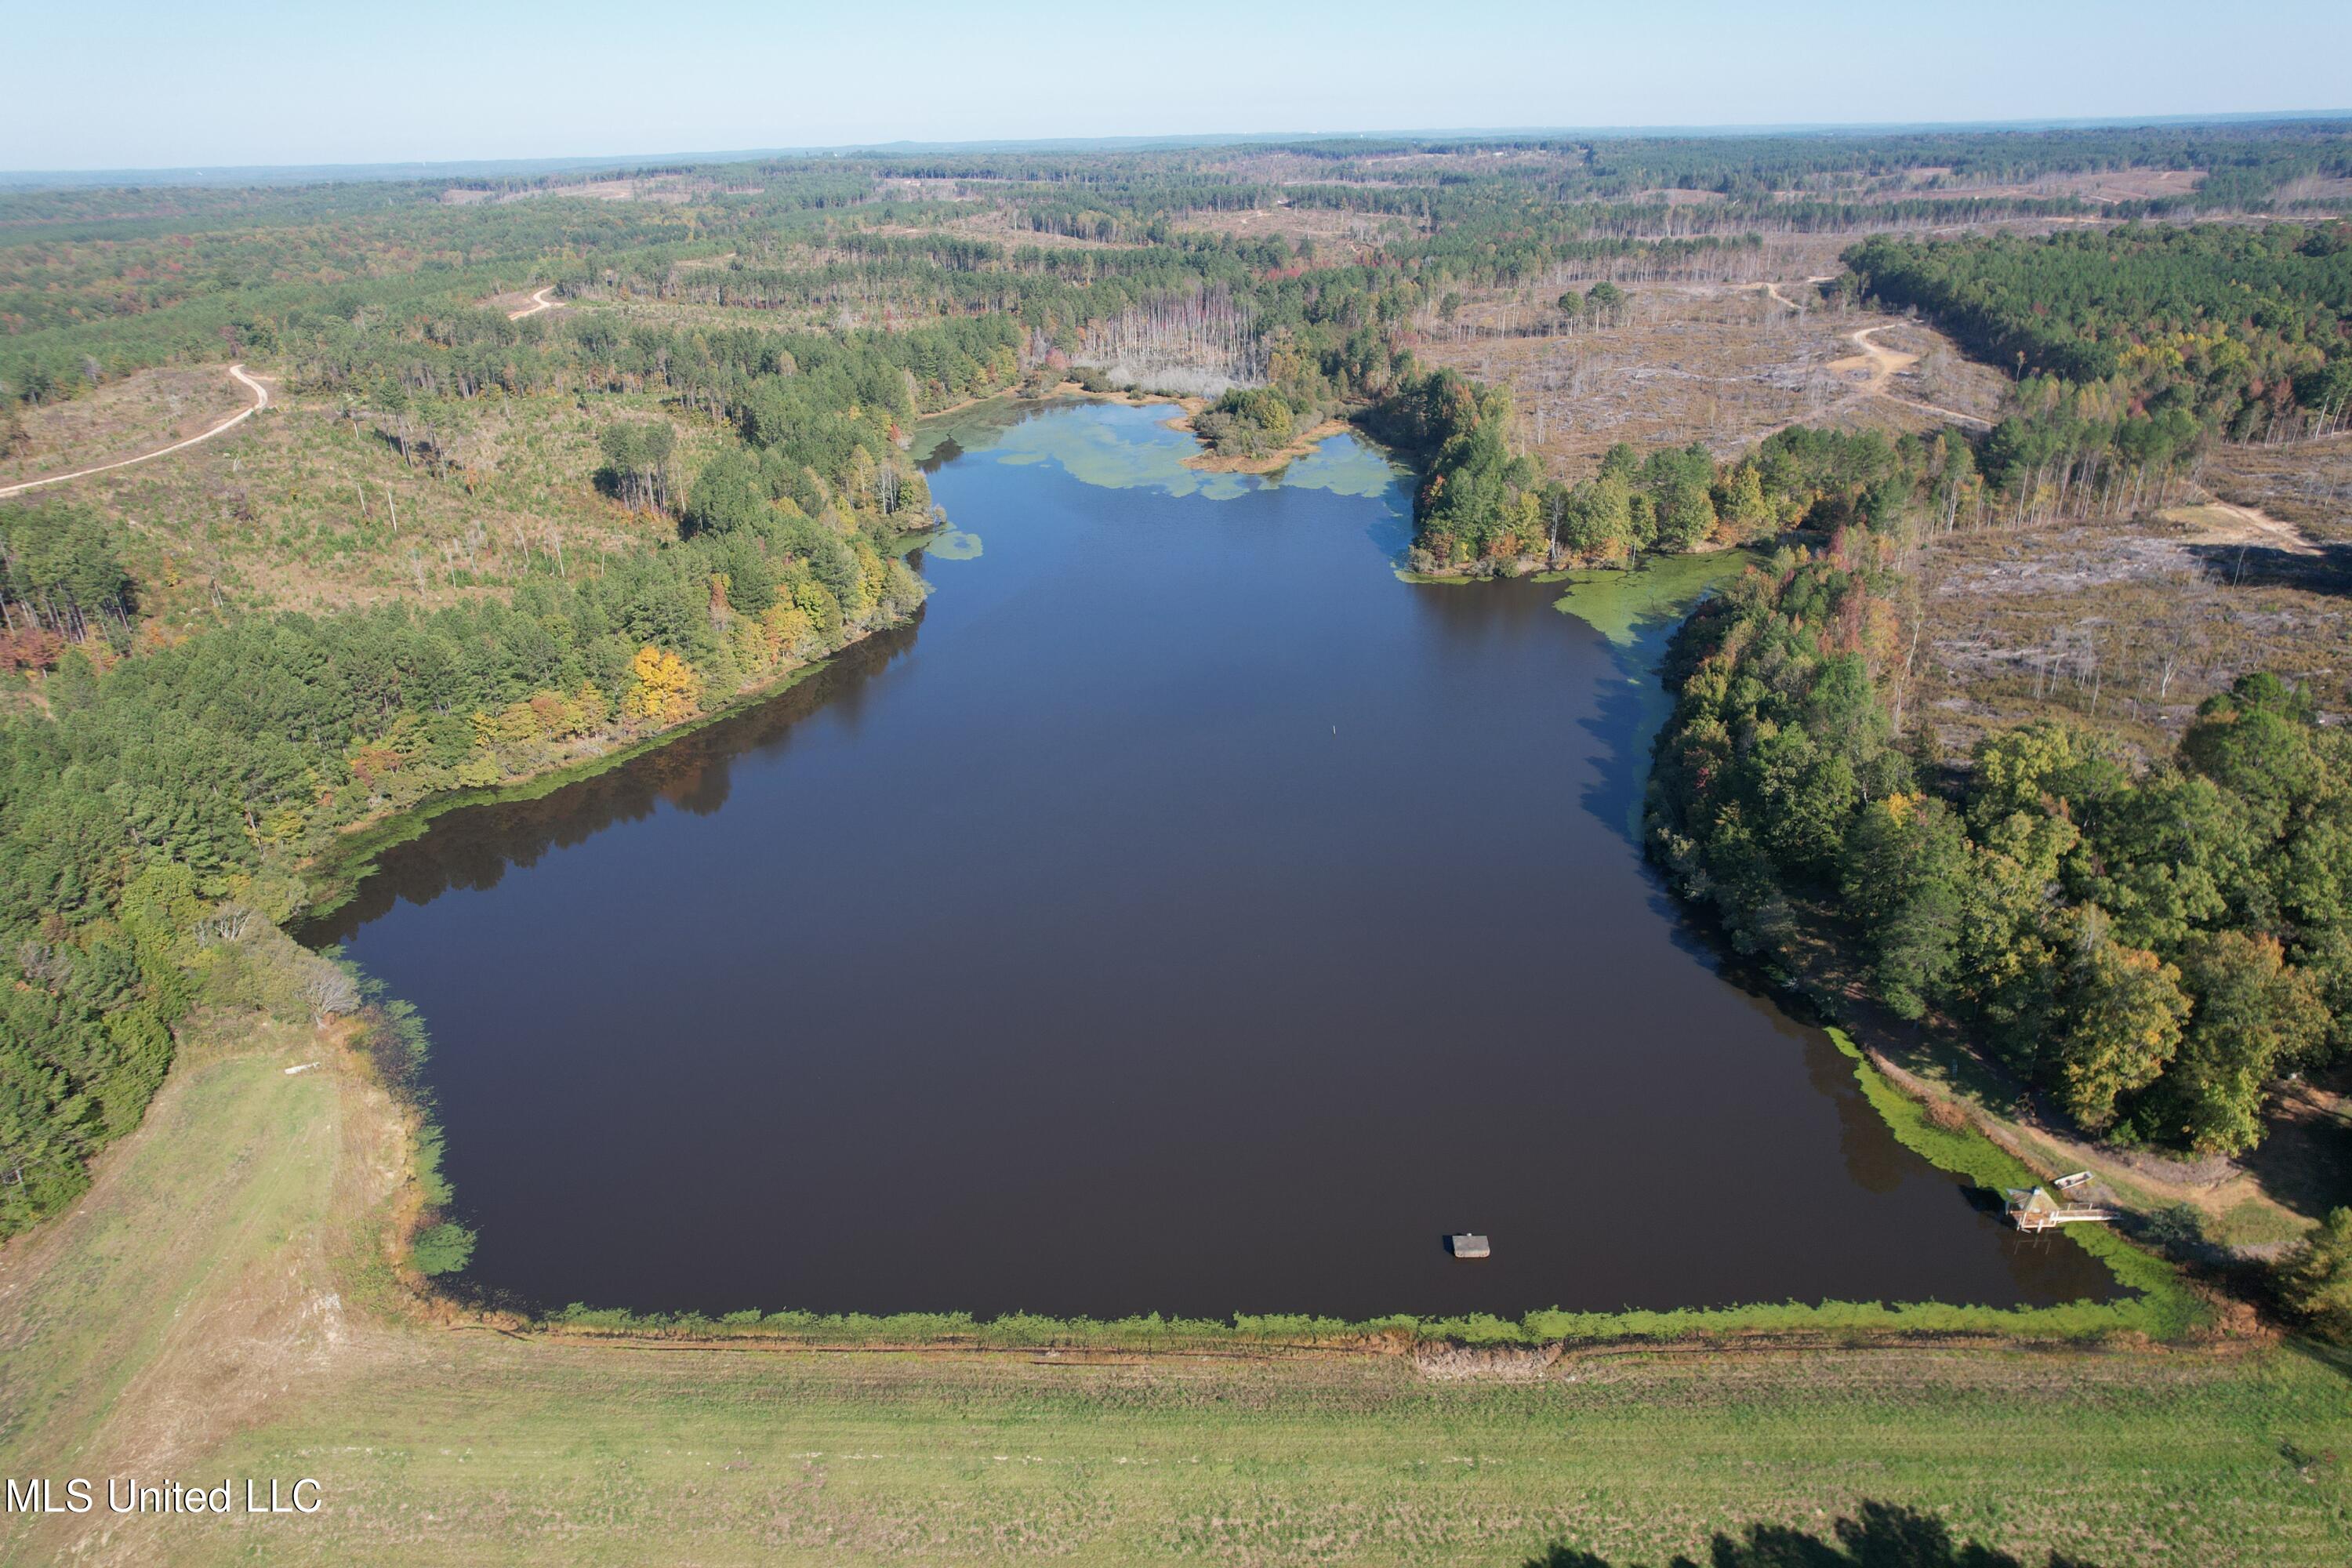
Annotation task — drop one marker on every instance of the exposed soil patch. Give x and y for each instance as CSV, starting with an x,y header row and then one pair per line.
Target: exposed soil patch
x,y
1335,235
534,303
2226,522
672,188
1005,228
2103,186
1723,363
2306,485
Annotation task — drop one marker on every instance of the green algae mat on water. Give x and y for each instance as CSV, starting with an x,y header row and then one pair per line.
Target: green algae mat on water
x,y
1637,612
953,544
1649,600
1100,443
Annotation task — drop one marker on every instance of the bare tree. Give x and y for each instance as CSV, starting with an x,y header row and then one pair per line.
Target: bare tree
x,y
330,992
229,923
1204,342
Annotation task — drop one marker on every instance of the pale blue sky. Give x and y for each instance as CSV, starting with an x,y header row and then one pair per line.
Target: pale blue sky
x,y
143,84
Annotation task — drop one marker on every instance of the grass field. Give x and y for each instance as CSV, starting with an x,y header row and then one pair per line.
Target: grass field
x,y
251,1329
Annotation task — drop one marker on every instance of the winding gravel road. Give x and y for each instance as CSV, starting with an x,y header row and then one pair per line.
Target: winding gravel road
x,y
260,402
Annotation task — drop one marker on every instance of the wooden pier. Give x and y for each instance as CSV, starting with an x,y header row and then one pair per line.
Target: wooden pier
x,y
2035,1210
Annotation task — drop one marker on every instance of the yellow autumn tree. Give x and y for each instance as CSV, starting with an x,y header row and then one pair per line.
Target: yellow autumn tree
x,y
594,709
1741,512
520,722
482,766
786,626
663,687
748,642
872,572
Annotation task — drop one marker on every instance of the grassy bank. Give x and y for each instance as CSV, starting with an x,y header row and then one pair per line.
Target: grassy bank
x,y
2165,1308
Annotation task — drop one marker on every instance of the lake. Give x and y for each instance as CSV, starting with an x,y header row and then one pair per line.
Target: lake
x,y
1185,914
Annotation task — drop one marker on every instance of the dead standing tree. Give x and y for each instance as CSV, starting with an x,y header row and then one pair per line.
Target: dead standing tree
x,y
1205,342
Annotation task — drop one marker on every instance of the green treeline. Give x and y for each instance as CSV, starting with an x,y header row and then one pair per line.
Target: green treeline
x,y
2152,950
1249,422
1619,166
2148,336
1483,506
229,278
2243,165
60,581
152,276
814,393
1610,185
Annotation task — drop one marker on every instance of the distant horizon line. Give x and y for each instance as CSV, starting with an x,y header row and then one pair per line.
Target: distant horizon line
x,y
461,168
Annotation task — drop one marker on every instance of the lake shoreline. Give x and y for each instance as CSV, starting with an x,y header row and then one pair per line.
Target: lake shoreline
x,y
338,870
2076,1321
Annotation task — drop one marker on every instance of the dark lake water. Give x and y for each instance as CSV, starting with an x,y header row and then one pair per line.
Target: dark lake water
x,y
1186,915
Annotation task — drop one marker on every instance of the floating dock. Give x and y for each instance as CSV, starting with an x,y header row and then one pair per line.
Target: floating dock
x,y
1462,1243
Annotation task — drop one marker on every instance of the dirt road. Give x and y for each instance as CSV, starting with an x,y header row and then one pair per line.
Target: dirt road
x,y
1878,367
1875,367
260,402
2217,521
539,301
1774,291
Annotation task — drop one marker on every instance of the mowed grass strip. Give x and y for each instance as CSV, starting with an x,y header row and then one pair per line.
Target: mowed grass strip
x,y
507,1453
439,1446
